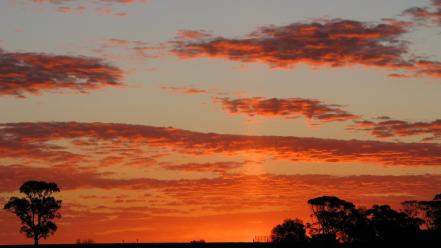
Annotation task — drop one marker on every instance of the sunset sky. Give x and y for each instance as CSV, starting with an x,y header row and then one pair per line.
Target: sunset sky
x,y
180,120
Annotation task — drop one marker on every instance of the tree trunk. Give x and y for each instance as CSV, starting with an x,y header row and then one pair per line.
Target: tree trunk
x,y
36,241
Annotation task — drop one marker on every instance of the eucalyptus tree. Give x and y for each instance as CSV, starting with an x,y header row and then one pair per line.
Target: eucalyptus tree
x,y
37,209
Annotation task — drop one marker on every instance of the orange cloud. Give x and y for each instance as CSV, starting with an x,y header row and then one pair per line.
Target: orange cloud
x,y
325,43
124,138
286,108
278,189
69,178
271,107
203,206
313,109
217,167
34,73
428,68
432,13
398,128
193,34
329,43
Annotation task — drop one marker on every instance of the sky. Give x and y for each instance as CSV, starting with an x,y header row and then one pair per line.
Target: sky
x,y
173,120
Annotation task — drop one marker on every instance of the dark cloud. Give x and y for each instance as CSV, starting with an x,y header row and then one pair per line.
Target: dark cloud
x,y
35,73
398,128
286,108
324,43
432,13
271,107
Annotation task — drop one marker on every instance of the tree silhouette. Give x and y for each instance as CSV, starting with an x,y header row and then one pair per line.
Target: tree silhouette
x,y
37,209
332,215
338,223
356,227
390,225
433,209
289,232
429,211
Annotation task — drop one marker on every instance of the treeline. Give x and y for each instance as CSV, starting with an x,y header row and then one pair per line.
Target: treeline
x,y
336,222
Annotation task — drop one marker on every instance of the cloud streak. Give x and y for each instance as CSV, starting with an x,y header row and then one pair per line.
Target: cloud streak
x,y
184,90
101,7
128,50
323,43
118,136
35,73
432,14
311,109
262,190
397,128
70,154
91,197
217,167
286,108
331,43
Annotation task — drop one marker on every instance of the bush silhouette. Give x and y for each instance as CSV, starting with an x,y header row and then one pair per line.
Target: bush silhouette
x,y
289,232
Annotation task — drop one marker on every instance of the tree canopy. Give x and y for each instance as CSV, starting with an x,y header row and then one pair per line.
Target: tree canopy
x,y
331,215
290,231
335,220
37,209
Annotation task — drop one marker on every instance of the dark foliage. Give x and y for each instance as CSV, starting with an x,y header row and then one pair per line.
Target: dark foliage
x,y
289,232
390,225
429,211
338,223
37,209
332,216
